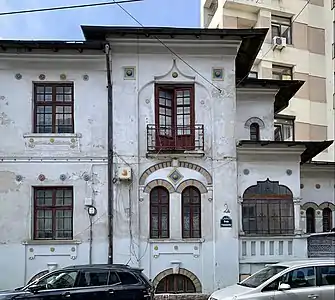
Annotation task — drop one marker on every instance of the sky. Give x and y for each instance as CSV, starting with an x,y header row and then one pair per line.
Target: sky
x,y
65,24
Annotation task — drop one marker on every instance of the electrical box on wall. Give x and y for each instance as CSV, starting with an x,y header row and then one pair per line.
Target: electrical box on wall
x,y
124,173
88,201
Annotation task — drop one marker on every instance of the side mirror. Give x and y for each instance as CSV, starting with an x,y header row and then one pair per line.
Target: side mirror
x,y
36,287
284,287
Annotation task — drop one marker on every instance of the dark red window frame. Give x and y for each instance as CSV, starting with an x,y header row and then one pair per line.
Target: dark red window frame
x,y
47,103
327,219
176,284
254,132
191,206
159,206
52,207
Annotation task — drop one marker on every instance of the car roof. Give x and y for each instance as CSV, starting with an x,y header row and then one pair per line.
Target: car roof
x,y
306,262
102,266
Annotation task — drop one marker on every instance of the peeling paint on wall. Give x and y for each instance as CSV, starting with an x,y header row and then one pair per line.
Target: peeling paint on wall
x,y
8,181
5,120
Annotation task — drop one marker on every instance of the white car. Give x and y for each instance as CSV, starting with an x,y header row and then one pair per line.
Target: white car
x,y
292,280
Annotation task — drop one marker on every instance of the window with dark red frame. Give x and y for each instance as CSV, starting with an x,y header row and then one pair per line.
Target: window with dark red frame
x,y
159,213
174,107
53,213
310,220
175,284
254,132
191,212
53,106
327,219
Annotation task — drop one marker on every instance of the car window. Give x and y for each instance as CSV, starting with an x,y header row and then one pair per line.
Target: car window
x,y
59,280
327,274
127,278
93,278
113,278
261,276
300,278
273,286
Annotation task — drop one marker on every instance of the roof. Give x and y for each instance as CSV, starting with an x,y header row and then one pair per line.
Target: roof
x,y
252,39
312,148
50,45
287,89
310,261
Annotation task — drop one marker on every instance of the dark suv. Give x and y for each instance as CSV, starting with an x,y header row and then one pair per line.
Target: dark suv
x,y
93,282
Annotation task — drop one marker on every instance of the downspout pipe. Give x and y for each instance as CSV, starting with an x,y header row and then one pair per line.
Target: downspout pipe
x,y
110,174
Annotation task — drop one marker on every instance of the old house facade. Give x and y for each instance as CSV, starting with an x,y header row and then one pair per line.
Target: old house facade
x,y
203,194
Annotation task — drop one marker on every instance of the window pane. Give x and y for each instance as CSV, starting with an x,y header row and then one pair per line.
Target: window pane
x,y
93,278
127,278
59,280
327,274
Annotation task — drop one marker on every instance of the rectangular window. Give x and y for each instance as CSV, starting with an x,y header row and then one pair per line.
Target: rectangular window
x,y
53,213
53,106
253,74
281,26
284,128
282,72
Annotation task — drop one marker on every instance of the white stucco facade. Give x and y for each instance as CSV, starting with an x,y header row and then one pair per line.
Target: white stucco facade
x,y
221,171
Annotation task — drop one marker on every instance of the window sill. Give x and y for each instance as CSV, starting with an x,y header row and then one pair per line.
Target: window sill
x,y
51,242
267,236
171,241
55,141
175,154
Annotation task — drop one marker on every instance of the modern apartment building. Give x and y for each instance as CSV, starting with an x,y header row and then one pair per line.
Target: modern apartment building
x,y
298,46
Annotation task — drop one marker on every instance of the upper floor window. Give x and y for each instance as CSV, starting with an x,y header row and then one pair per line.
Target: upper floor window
x,y
284,128
281,26
310,220
53,106
254,132
159,213
267,208
53,213
327,219
282,72
191,212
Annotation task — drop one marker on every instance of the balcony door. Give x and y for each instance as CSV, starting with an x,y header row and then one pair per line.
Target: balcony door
x,y
175,128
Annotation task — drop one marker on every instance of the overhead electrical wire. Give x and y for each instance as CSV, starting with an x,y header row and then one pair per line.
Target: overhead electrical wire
x,y
167,47
26,11
270,48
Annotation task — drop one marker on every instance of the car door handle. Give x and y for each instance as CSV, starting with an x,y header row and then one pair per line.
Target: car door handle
x,y
66,295
312,296
111,291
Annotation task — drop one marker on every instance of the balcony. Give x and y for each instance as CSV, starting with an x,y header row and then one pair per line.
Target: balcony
x,y
175,139
284,128
271,249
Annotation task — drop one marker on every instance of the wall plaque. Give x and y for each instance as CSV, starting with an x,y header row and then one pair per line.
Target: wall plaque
x,y
226,222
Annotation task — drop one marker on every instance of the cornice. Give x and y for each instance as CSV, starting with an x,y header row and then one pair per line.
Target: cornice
x,y
26,159
297,150
50,56
256,91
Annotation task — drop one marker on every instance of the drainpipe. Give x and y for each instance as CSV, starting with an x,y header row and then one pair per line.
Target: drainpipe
x,y
110,174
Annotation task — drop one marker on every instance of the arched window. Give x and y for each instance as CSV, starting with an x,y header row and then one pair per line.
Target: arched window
x,y
191,212
327,219
254,132
159,213
310,220
267,208
175,284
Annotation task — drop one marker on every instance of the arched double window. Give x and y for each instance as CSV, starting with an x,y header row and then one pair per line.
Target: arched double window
x,y
159,213
310,220
327,219
267,208
175,284
191,212
254,132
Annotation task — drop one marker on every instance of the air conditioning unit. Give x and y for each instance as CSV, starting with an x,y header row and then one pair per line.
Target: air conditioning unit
x,y
124,173
279,42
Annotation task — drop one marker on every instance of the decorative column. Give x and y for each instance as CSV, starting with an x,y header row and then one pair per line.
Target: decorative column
x,y
318,220
240,220
296,203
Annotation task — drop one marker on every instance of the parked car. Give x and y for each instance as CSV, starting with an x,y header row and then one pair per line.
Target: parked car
x,y
94,282
309,279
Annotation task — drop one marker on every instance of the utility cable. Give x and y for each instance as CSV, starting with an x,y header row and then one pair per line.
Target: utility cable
x,y
65,7
167,47
270,48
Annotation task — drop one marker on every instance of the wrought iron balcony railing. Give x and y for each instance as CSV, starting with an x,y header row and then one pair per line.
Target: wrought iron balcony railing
x,y
175,138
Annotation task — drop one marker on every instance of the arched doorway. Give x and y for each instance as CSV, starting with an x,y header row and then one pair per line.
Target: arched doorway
x,y
267,208
175,284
